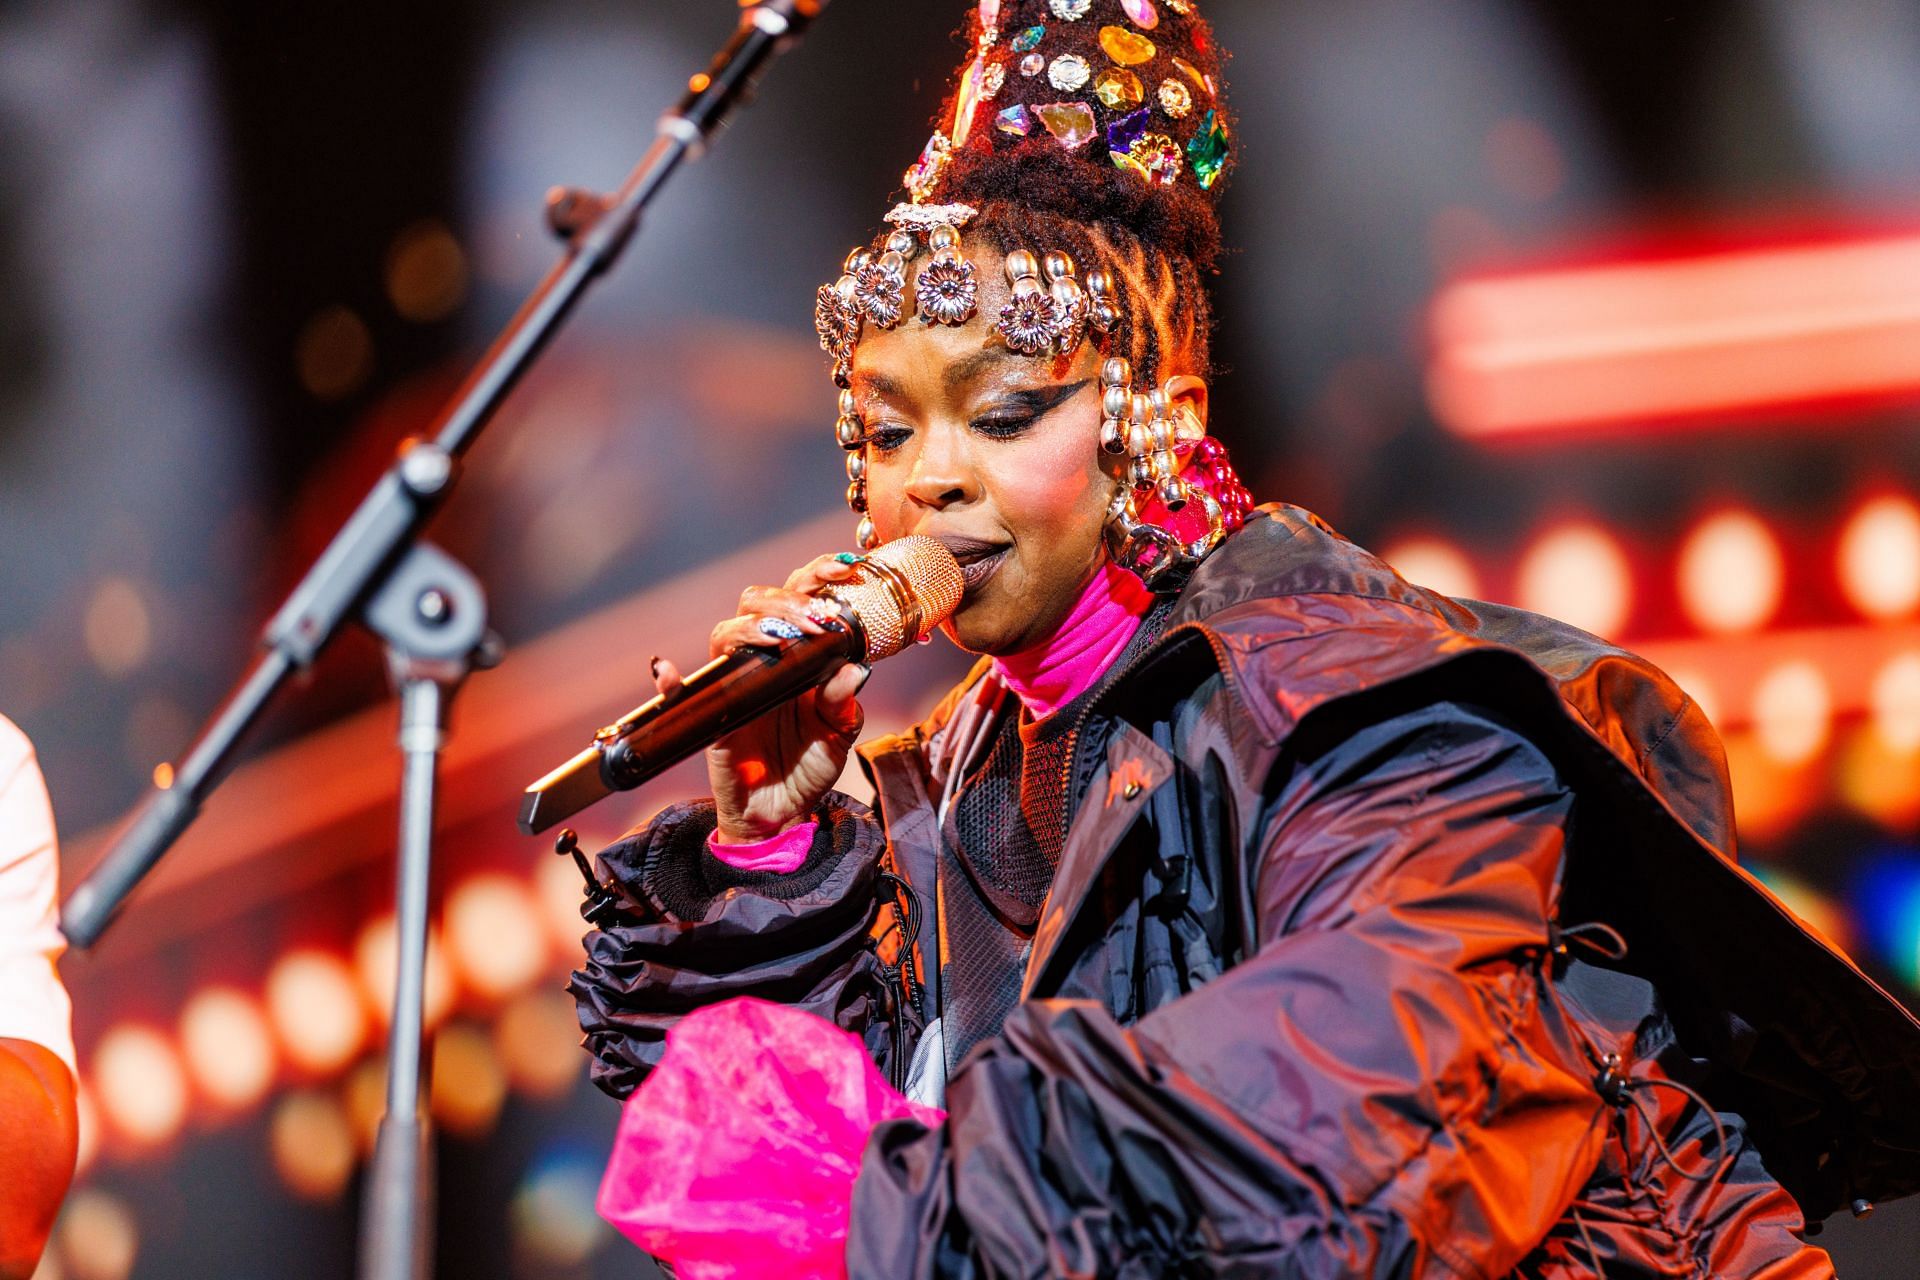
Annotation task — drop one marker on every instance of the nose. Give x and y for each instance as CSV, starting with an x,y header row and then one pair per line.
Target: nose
x,y
942,474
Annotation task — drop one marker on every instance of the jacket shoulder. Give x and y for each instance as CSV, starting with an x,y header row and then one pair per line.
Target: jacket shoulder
x,y
1300,618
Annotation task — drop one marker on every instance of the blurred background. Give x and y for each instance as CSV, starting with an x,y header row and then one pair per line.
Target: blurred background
x,y
1611,311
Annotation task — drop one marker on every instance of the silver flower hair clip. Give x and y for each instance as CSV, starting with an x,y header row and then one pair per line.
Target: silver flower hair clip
x,y
1052,313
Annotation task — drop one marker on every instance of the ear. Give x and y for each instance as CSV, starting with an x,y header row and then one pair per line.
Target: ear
x,y
1186,391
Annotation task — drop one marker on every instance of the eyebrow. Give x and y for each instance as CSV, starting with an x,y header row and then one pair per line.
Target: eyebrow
x,y
880,384
966,370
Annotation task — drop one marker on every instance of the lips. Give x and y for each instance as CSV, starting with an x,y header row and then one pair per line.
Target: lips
x,y
978,558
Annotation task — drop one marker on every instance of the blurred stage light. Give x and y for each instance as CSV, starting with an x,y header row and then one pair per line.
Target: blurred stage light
x,y
365,1096
1731,573
99,1239
426,272
1885,893
553,1219
1792,712
561,893
1878,781
1895,700
1577,573
373,959
495,935
1825,916
468,1085
1769,797
228,1047
333,354
139,1084
312,1144
1425,562
538,1037
118,627
1879,560
86,1114
1690,336
316,1011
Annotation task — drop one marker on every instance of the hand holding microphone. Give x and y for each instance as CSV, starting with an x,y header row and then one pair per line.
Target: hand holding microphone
x,y
777,702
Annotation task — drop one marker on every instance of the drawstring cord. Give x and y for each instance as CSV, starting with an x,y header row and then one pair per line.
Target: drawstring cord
x,y
898,982
1610,1081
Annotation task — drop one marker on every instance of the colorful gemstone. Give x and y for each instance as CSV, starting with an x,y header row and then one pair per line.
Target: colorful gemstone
x,y
1191,72
1119,89
1071,123
967,104
1126,48
1207,152
1153,156
1069,73
1181,7
989,37
1014,120
1175,99
989,13
1070,10
924,176
1127,130
1142,12
1032,65
1029,40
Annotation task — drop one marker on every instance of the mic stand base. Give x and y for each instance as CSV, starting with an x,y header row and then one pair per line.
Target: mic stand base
x,y
432,615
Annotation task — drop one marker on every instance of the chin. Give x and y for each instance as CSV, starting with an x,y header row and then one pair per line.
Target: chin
x,y
983,627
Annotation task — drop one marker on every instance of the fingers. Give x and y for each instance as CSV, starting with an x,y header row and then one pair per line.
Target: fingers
x,y
822,571
771,615
666,676
838,703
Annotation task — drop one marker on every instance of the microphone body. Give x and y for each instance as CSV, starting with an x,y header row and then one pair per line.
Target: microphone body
x,y
899,593
712,702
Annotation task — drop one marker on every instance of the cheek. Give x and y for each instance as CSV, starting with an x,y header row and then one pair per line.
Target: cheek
x,y
1045,489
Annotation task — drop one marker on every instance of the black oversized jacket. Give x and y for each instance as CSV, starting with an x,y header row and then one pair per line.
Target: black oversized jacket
x,y
1320,988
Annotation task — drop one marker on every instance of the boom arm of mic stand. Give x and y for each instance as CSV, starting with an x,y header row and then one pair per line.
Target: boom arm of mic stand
x,y
389,519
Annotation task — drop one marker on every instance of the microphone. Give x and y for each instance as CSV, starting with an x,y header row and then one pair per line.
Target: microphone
x,y
898,594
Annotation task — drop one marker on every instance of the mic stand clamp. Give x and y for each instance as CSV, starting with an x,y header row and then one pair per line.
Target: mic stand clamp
x,y
602,900
432,616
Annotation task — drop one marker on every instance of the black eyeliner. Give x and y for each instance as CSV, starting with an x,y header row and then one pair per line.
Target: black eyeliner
x,y
1032,404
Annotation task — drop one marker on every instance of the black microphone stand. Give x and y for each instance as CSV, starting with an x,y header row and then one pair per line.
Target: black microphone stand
x,y
430,613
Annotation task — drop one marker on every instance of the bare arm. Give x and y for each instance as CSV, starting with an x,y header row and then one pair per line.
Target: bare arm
x,y
38,1137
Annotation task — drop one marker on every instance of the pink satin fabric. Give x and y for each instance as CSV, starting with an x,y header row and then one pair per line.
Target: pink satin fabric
x,y
781,854
736,1159
1055,672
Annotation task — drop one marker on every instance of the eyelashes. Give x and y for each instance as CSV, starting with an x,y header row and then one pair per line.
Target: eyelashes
x,y
1010,417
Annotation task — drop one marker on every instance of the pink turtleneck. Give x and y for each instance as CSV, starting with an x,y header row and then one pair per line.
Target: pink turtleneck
x,y
1045,678
1061,668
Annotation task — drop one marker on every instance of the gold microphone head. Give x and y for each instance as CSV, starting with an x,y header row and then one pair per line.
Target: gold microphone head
x,y
900,592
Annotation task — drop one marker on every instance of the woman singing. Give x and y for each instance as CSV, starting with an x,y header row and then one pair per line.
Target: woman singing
x,y
1264,914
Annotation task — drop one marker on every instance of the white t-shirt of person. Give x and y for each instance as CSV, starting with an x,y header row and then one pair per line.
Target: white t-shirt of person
x,y
33,1003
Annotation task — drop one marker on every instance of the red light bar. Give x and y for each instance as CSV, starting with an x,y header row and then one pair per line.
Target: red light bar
x,y
1679,340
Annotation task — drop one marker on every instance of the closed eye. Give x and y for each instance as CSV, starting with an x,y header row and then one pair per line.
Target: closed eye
x,y
1016,411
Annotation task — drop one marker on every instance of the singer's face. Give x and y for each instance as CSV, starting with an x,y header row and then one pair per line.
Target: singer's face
x,y
995,453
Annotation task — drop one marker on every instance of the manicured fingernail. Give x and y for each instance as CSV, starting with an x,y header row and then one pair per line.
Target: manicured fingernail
x,y
824,614
780,629
866,674
653,666
848,557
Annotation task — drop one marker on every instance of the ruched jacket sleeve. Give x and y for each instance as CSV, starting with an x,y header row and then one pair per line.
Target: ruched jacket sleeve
x,y
692,931
1379,1089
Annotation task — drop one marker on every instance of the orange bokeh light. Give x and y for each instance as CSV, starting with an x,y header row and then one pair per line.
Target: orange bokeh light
x,y
1578,574
1731,573
316,1010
